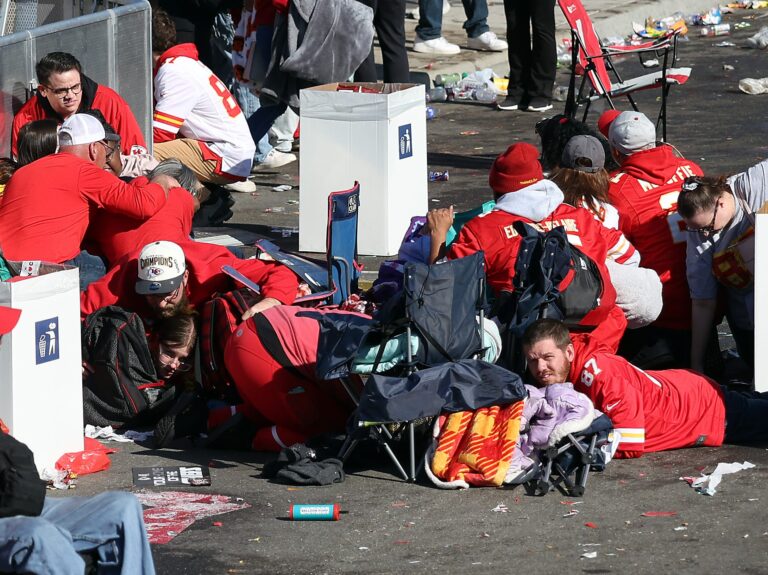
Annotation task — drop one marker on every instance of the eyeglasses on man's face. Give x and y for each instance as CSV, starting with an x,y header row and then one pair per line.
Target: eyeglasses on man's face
x,y
110,149
61,93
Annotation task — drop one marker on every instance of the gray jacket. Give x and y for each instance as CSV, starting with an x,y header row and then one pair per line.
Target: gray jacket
x,y
316,42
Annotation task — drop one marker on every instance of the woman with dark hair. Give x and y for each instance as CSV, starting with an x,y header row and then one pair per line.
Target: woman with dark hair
x,y
173,345
37,139
719,215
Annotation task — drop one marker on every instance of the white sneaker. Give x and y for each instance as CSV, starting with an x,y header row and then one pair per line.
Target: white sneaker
x,y
487,41
274,159
436,46
244,187
446,7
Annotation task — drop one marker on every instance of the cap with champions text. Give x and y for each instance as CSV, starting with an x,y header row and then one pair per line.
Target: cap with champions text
x,y
161,268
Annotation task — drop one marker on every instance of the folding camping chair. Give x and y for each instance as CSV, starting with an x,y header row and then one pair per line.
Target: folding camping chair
x,y
567,465
440,304
335,279
596,65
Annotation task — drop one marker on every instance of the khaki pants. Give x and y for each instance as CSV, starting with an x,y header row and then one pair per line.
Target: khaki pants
x,y
190,154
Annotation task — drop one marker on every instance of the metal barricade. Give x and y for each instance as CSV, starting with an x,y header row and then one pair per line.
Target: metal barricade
x,y
113,45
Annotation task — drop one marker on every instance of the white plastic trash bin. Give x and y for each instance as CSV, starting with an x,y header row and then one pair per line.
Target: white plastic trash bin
x,y
41,382
377,138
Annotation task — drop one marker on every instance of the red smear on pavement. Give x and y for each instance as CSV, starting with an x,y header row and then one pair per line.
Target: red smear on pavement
x,y
590,525
217,524
659,514
171,512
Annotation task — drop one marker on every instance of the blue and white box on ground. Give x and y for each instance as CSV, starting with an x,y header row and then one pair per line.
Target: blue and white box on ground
x,y
41,382
378,139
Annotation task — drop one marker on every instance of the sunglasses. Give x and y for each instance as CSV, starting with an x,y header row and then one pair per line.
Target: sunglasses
x,y
110,149
709,229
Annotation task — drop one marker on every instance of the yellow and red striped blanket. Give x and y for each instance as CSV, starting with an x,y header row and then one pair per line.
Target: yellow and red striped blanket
x,y
477,446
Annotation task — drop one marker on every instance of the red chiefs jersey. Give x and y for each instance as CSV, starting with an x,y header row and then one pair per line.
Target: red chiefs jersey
x,y
204,262
645,192
112,236
652,410
494,234
95,97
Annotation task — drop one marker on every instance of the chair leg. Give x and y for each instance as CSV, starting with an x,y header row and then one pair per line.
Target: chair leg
x,y
412,451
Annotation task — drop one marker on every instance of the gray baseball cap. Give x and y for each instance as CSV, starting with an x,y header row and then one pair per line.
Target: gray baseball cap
x,y
632,132
583,153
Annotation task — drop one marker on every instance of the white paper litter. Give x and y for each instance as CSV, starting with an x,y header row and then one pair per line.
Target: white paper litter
x,y
500,508
589,555
707,484
109,434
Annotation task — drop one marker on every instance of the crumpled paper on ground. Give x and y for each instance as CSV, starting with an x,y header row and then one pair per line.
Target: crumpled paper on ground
x,y
707,484
109,434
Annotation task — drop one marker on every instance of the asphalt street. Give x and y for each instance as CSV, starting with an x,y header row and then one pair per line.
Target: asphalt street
x,y
389,526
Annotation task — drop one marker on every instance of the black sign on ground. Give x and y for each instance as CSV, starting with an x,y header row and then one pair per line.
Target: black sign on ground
x,y
171,476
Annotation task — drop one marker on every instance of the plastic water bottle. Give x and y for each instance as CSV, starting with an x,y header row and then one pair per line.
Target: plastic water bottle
x,y
431,113
437,94
483,95
716,30
447,79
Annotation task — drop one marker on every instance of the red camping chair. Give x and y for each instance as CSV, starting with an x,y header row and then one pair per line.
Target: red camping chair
x,y
592,61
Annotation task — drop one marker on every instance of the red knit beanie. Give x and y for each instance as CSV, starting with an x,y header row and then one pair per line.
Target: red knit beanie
x,y
515,169
605,121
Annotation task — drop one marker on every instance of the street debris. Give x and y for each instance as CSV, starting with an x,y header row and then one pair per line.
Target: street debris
x,y
707,484
589,555
500,508
590,525
282,188
753,86
659,514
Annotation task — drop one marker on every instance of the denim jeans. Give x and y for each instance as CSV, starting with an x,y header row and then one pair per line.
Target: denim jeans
x,y
746,416
91,268
249,103
262,119
110,525
431,18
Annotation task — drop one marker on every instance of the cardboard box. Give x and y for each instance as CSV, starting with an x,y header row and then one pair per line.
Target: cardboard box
x,y
377,138
41,382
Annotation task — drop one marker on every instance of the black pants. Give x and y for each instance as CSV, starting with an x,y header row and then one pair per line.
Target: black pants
x,y
654,347
746,417
532,56
389,20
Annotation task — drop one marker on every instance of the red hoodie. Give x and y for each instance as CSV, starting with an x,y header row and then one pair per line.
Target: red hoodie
x,y
204,262
652,410
645,191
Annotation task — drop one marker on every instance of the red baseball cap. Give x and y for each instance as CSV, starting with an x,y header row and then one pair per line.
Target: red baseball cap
x,y
605,121
9,317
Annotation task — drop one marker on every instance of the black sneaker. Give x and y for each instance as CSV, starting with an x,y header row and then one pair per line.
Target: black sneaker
x,y
509,103
538,105
188,416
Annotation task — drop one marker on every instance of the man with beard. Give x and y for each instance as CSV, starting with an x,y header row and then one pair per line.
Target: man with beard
x,y
176,276
651,410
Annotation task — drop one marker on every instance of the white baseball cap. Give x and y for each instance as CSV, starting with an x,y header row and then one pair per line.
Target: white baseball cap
x,y
632,132
80,129
161,268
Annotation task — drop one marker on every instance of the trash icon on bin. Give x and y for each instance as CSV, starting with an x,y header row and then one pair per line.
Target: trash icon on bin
x,y
406,151
47,339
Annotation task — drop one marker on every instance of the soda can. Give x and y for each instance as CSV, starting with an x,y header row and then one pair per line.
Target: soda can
x,y
430,113
438,176
319,512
